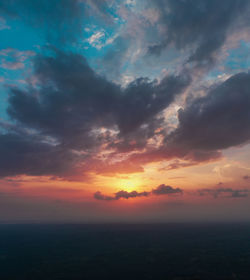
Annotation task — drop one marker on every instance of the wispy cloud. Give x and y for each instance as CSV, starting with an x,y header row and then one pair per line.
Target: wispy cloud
x,y
3,24
224,192
14,59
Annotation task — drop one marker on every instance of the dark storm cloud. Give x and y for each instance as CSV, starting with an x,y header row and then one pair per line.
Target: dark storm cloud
x,y
218,120
69,101
202,25
137,139
143,99
207,125
22,154
68,104
224,192
72,100
56,122
160,190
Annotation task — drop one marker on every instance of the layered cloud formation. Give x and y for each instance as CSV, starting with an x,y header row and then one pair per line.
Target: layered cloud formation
x,y
68,119
59,120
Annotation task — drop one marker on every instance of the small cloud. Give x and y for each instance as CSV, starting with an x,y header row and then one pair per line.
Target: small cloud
x,y
127,195
163,189
13,59
99,196
96,39
11,65
224,192
246,177
100,39
87,29
3,24
239,194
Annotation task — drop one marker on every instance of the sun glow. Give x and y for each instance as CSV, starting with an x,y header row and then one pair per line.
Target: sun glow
x,y
128,184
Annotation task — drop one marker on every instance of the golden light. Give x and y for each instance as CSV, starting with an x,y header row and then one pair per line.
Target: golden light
x,y
128,184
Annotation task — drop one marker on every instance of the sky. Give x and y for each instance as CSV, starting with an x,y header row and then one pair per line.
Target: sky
x,y
124,111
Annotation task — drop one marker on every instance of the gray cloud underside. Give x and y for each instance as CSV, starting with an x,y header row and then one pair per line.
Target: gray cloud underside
x,y
219,120
55,123
58,118
202,25
207,125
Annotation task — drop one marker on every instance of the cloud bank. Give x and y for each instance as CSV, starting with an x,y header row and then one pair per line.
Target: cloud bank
x,y
163,190
160,190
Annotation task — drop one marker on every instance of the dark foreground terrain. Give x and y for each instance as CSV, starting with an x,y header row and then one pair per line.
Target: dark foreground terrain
x,y
124,252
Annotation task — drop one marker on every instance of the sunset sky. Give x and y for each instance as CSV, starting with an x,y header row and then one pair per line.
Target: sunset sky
x,y
124,110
